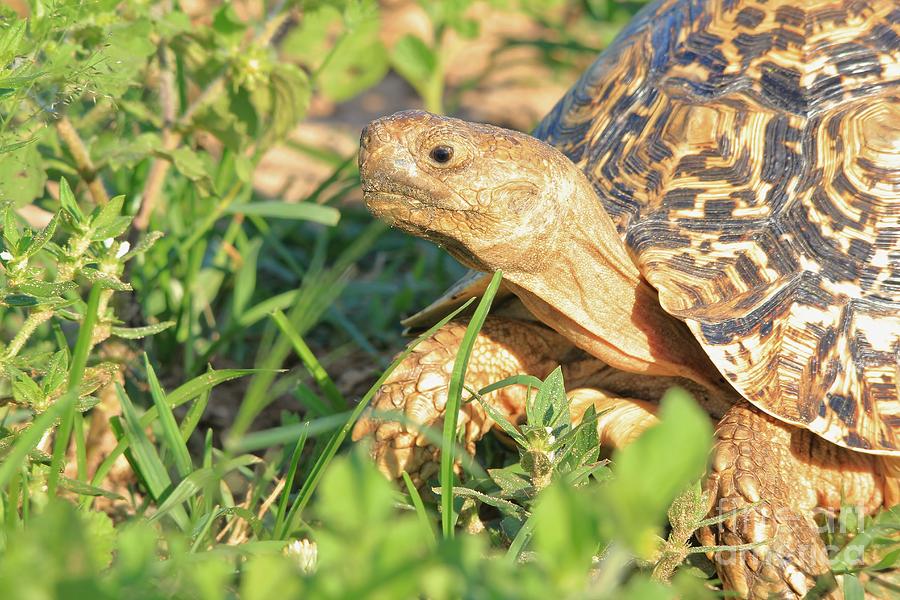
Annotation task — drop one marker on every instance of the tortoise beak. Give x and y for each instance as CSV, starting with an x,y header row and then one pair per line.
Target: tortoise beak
x,y
365,144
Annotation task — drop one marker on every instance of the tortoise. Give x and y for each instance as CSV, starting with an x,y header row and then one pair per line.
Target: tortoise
x,y
714,202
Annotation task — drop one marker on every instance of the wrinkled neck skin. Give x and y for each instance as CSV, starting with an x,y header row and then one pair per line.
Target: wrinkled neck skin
x,y
582,282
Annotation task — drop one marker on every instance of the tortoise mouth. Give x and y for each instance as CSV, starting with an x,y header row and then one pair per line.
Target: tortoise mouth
x,y
399,210
384,203
417,218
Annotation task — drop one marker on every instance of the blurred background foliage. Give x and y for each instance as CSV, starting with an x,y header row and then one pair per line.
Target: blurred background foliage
x,y
175,173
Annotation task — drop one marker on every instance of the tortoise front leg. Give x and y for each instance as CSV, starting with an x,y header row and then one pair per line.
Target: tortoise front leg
x,y
789,472
418,388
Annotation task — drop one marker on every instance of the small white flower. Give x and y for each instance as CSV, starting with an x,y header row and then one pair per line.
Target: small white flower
x,y
6,256
108,242
550,437
124,247
305,552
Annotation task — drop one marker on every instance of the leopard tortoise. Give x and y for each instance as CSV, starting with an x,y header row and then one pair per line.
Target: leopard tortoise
x,y
715,202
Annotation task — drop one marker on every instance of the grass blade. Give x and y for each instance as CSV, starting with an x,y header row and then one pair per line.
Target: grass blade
x,y
288,485
286,434
420,509
171,433
454,399
143,457
338,403
299,211
191,389
198,481
192,418
325,458
76,373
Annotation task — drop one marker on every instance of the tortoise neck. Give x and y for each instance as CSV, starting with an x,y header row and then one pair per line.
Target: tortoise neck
x,y
590,291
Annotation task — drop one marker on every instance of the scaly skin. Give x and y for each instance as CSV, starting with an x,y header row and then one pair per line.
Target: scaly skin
x,y
418,388
792,472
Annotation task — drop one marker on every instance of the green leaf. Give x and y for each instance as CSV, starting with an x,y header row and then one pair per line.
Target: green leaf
x,y
10,227
44,289
124,55
26,391
639,588
105,215
85,489
885,524
504,506
104,280
128,152
40,240
500,419
10,40
22,175
68,202
201,480
566,534
358,59
354,495
27,441
654,469
513,482
585,444
194,166
421,513
228,25
267,576
57,371
136,333
20,300
550,404
144,458
341,48
289,97
118,226
414,60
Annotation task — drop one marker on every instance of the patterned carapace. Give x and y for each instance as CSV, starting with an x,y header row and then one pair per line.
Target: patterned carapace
x,y
749,153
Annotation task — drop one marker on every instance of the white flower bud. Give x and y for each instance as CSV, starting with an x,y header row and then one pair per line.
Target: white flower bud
x,y
6,255
124,247
108,242
305,552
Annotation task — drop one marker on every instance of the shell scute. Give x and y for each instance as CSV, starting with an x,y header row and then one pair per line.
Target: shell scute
x,y
749,154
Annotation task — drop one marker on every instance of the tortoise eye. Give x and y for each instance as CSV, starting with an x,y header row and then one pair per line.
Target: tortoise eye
x,y
441,154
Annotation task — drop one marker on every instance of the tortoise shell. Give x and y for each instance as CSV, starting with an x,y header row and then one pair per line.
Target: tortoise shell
x,y
749,154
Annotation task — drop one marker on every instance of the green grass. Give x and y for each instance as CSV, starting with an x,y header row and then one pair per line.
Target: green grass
x,y
183,358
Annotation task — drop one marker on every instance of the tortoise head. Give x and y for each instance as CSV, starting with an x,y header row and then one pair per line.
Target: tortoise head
x,y
486,194
498,199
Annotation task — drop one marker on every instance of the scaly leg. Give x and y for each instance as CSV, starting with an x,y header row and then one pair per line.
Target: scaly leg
x,y
418,388
790,472
621,419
